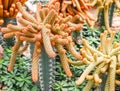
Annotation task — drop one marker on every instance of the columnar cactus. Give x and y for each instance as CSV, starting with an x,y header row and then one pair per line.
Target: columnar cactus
x,y
106,11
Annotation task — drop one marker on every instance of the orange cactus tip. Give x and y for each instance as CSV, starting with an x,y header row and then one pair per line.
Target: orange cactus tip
x,y
9,69
38,50
37,43
3,36
24,30
17,34
1,21
53,56
12,48
69,74
82,57
38,37
34,78
53,43
9,25
21,38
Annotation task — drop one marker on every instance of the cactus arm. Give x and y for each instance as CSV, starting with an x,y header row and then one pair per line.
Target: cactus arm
x,y
14,55
35,62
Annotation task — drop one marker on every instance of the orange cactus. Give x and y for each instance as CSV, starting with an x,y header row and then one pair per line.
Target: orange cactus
x,y
35,62
14,55
51,26
64,60
8,9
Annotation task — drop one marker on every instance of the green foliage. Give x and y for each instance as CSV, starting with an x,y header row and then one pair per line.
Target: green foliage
x,y
44,2
117,37
63,83
20,78
92,35
67,85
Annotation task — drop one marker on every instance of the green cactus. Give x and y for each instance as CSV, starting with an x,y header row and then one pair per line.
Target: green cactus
x,y
46,67
46,71
101,15
101,18
44,2
111,12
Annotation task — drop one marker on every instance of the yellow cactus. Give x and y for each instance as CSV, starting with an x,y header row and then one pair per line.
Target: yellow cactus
x,y
104,60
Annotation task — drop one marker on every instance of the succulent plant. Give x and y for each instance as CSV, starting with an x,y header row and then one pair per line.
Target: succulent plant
x,y
103,60
50,28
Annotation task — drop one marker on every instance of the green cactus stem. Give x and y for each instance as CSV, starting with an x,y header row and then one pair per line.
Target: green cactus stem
x,y
46,71
101,15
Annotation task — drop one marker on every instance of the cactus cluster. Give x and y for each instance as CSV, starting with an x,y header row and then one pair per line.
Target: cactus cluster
x,y
51,26
8,9
104,59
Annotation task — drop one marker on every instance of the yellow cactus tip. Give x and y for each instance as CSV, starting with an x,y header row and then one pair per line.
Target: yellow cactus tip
x,y
70,75
77,83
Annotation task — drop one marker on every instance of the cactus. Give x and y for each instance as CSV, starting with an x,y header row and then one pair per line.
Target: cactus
x,y
51,27
8,12
111,12
46,71
103,60
102,23
101,15
101,18
46,68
